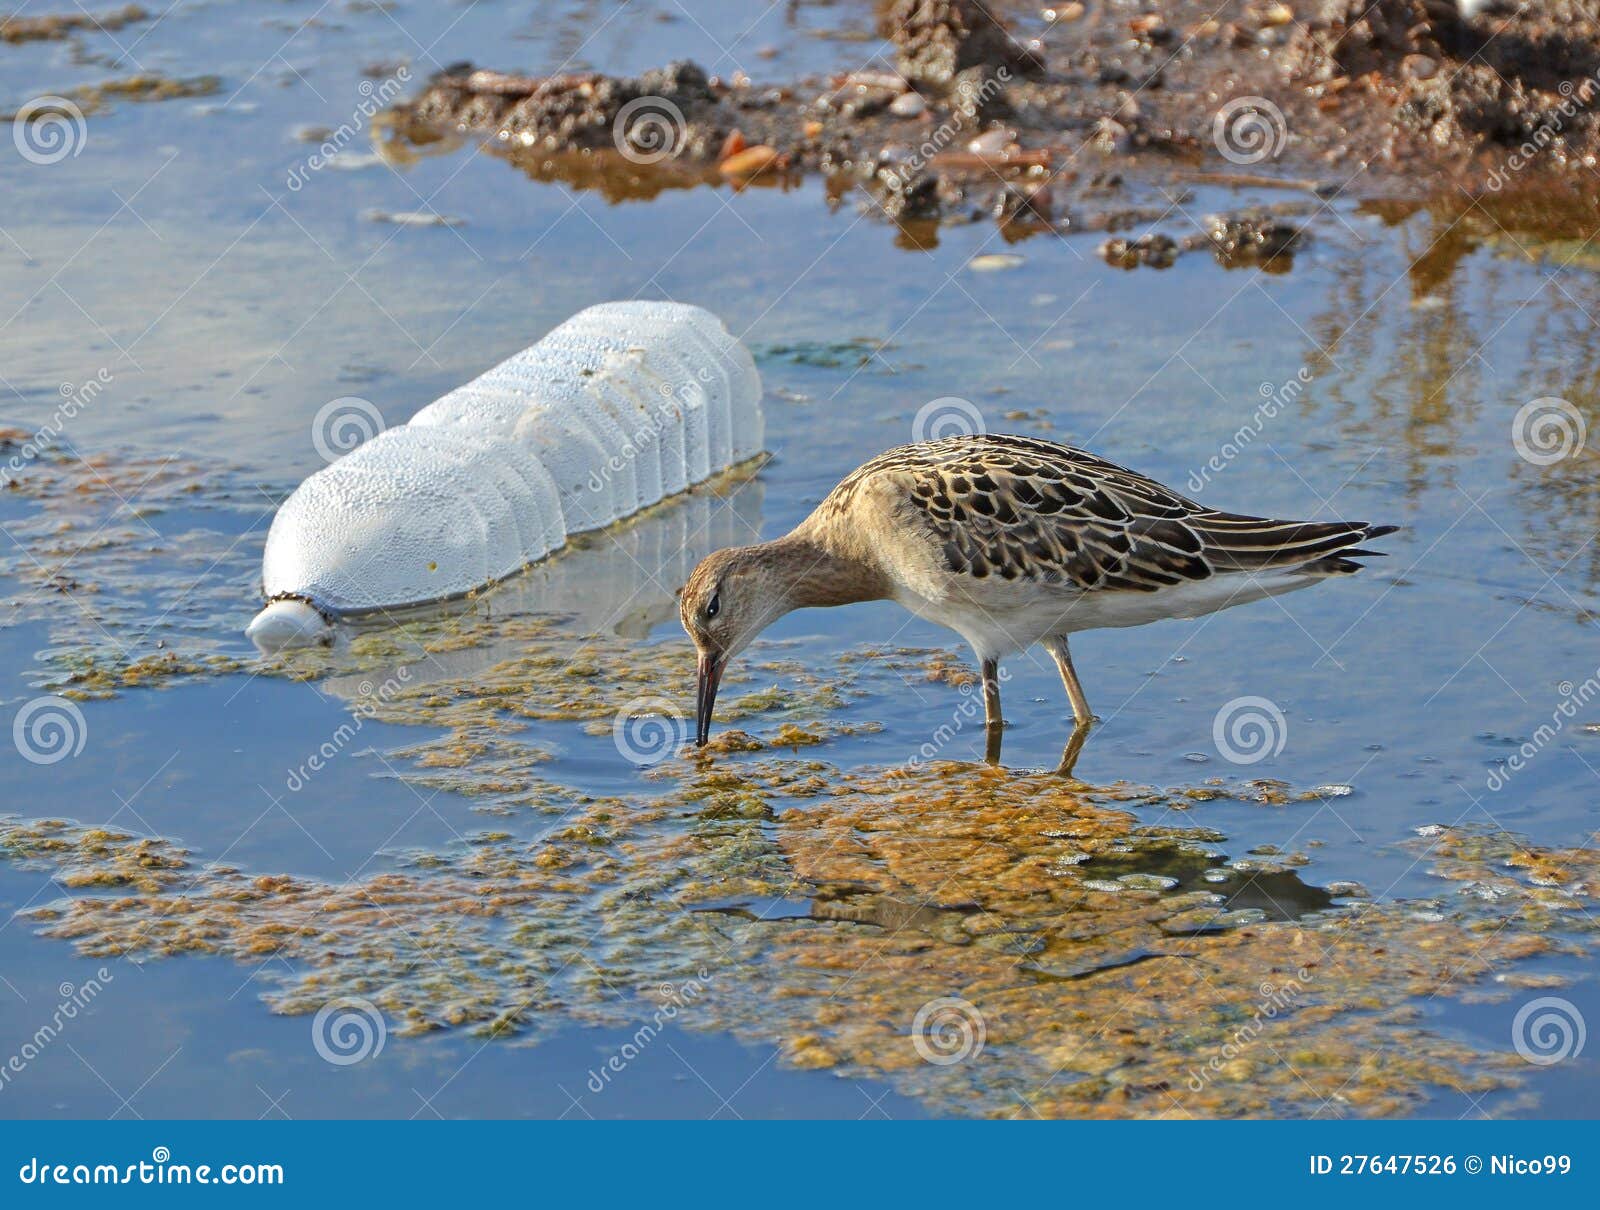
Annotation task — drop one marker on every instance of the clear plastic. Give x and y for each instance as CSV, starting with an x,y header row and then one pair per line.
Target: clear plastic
x,y
716,358
663,372
621,406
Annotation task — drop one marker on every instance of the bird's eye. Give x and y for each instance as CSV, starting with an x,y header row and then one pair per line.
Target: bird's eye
x,y
714,605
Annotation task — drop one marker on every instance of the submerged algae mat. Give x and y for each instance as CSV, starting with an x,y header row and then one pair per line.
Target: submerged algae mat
x,y
137,565
995,943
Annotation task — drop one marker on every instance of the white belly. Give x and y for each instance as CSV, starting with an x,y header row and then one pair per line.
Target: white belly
x,y
1002,618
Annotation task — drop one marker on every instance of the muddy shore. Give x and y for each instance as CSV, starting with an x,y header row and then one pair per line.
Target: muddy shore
x,y
1087,117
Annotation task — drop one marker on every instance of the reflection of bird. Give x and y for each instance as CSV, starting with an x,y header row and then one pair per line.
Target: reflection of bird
x,y
1009,541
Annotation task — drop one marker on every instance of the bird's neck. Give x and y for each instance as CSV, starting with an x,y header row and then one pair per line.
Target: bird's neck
x,y
815,574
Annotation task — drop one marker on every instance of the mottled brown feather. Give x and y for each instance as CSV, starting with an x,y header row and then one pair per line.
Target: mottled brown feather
x,y
1021,508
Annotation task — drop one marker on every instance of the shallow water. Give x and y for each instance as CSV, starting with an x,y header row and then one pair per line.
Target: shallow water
x,y
171,261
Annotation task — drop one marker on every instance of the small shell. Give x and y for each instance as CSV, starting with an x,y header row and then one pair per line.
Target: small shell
x,y
991,142
908,105
750,161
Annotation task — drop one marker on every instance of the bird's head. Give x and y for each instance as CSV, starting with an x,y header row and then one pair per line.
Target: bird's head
x,y
732,597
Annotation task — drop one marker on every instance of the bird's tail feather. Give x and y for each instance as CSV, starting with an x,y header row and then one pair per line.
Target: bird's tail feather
x,y
1260,544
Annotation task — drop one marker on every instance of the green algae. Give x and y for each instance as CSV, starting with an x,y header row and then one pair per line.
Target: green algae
x,y
131,564
829,355
141,88
54,27
980,885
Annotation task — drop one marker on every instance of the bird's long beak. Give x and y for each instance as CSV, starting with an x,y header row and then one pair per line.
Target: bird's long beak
x,y
711,667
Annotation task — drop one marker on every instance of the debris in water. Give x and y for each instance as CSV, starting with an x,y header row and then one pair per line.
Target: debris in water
x,y
993,262
411,218
1333,790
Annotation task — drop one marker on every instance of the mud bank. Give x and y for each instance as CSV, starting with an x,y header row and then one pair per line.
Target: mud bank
x,y
1081,117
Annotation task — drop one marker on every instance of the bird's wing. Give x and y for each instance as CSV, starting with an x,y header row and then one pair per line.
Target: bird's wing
x,y
1022,509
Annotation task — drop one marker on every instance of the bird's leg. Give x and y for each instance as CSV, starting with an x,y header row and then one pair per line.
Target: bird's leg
x,y
991,693
991,710
1082,717
1057,645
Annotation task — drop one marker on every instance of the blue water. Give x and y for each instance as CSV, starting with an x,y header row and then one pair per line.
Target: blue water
x,y
226,308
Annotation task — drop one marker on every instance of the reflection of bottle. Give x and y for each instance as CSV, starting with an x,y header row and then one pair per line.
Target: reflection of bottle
x,y
622,405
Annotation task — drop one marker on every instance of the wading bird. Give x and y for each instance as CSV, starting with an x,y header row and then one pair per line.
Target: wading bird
x,y
1008,541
